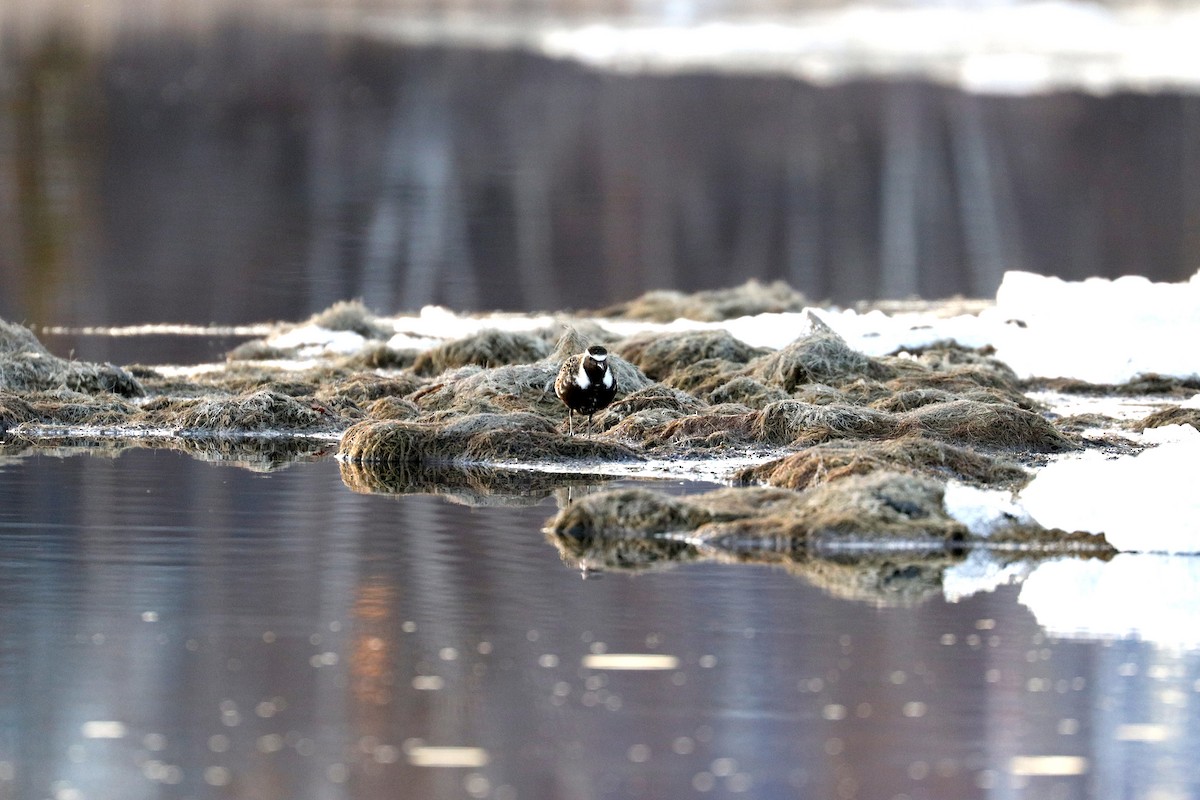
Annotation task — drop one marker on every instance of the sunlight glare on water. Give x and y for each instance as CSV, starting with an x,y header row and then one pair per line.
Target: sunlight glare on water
x,y
190,628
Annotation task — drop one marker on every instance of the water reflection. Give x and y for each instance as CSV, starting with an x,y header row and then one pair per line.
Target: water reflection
x,y
254,170
177,628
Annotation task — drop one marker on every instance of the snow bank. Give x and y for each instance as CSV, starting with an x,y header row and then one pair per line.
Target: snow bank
x,y
1143,503
1101,331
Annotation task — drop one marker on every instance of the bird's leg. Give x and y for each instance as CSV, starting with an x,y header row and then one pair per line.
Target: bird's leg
x,y
589,424
571,421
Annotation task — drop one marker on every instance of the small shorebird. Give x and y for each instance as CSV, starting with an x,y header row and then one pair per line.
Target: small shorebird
x,y
586,384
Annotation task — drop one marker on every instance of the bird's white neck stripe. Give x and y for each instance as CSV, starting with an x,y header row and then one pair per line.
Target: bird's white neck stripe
x,y
581,377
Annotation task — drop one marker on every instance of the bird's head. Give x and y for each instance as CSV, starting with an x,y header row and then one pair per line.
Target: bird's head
x,y
597,354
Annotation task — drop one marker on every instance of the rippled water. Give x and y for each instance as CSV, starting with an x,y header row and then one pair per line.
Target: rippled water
x,y
175,628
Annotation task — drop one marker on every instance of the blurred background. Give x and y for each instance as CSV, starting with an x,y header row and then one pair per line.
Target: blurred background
x,y
242,161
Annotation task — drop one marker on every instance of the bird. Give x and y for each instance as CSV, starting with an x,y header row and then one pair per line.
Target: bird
x,y
586,384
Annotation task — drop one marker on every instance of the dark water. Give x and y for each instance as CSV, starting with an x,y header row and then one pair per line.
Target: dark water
x,y
253,169
173,628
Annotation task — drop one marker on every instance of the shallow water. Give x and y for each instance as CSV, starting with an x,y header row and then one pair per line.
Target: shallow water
x,y
174,628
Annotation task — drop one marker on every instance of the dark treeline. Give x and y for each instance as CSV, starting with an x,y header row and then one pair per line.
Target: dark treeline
x,y
254,172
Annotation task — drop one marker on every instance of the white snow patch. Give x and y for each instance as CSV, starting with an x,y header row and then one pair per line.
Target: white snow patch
x,y
982,510
1151,596
1097,330
1143,503
436,322
313,341
995,47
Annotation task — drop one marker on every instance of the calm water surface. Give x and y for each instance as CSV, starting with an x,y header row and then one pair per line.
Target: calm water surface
x,y
174,628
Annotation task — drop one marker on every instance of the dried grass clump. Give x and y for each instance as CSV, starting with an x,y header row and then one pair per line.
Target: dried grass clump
x,y
909,399
473,390
946,355
67,407
481,438
365,387
961,422
377,355
659,356
487,348
994,425
351,315
748,299
746,391
697,433
641,426
791,421
393,408
516,422
822,395
704,377
653,397
522,437
14,411
835,460
963,381
880,507
1143,384
818,356
843,515
1171,415
255,411
17,341
387,442
27,366
256,350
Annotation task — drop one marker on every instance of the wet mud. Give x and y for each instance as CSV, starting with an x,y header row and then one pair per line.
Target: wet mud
x,y
852,453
